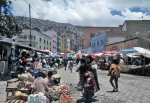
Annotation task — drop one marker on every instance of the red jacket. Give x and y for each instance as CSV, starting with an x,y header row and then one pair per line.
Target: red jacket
x,y
91,85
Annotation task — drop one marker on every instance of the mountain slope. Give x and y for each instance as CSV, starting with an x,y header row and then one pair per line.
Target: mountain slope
x,y
45,25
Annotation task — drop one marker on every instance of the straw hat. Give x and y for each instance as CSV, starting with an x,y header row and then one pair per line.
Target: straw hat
x,y
45,72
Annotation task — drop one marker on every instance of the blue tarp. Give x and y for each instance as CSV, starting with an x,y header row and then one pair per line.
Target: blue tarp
x,y
54,55
127,50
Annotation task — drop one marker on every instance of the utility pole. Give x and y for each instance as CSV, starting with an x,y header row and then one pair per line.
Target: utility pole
x,y
30,22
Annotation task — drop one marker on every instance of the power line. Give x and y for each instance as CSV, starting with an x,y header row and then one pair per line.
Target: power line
x,y
33,9
26,2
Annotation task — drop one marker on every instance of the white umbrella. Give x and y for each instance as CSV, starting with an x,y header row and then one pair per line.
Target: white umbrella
x,y
85,54
137,54
143,51
61,53
99,54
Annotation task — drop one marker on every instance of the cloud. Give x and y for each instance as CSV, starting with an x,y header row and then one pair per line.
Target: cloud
x,y
83,12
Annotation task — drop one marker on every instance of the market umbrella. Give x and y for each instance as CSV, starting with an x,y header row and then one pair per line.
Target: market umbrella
x,y
137,54
61,53
85,54
111,53
128,50
93,54
79,55
65,53
45,51
99,54
143,51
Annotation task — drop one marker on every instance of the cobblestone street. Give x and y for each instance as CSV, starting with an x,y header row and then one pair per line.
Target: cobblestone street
x,y
132,89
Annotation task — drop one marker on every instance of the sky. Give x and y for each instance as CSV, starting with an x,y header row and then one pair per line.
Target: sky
x,y
84,12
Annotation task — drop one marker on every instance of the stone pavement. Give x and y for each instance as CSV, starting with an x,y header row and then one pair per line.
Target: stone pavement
x,y
3,89
132,89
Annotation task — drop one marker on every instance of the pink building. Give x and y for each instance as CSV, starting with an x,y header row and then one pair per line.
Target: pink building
x,y
90,32
53,35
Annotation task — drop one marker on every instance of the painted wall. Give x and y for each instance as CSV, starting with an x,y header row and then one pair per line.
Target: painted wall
x,y
98,43
58,44
89,31
38,39
53,35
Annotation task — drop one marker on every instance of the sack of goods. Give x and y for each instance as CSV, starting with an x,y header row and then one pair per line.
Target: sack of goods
x,y
37,98
79,86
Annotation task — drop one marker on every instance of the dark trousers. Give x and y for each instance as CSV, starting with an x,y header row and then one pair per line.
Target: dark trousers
x,y
88,96
116,81
10,66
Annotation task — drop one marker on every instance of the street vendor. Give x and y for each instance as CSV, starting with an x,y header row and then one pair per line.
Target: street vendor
x,y
82,70
50,82
18,70
39,84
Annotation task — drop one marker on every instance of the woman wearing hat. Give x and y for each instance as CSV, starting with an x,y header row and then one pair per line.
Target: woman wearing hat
x,y
39,84
82,70
93,67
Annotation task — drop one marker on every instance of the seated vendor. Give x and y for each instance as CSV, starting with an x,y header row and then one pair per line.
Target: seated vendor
x,y
39,84
50,79
19,69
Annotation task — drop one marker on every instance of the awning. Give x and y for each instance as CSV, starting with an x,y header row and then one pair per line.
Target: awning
x,y
85,54
99,54
24,47
137,54
111,52
143,51
6,42
128,50
44,51
93,54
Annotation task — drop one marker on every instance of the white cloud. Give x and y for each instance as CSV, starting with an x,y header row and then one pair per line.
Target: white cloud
x,y
82,12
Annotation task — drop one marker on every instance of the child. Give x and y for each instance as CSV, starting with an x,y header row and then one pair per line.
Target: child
x,y
90,87
71,65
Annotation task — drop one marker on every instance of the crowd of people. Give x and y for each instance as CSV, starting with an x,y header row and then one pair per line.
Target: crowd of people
x,y
88,83
30,63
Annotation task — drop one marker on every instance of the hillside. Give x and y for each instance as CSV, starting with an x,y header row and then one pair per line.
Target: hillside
x,y
45,25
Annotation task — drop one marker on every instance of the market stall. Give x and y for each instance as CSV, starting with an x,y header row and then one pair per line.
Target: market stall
x,y
109,55
20,89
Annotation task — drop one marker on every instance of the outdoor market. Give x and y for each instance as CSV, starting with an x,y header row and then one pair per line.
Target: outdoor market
x,y
30,65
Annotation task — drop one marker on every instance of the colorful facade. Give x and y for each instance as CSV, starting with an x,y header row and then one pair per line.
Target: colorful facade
x,y
53,35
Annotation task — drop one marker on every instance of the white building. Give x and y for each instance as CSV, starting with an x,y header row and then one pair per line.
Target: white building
x,y
38,39
68,45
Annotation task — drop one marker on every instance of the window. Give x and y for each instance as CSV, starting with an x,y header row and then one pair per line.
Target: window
x,y
102,41
92,35
44,40
34,45
40,47
47,42
47,48
34,37
50,43
40,39
44,48
97,43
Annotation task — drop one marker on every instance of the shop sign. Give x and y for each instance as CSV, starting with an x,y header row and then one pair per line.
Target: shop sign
x,y
114,48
